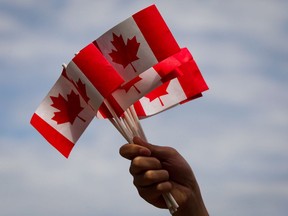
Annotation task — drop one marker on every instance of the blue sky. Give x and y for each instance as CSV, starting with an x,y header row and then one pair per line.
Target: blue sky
x,y
235,137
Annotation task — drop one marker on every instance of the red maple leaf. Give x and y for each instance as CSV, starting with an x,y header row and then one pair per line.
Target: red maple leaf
x,y
131,83
124,54
69,109
79,85
157,93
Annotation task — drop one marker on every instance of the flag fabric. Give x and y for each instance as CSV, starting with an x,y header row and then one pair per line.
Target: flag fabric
x,y
74,100
122,98
138,43
101,79
179,90
63,115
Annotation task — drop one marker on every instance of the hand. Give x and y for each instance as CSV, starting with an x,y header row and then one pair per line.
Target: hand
x,y
157,170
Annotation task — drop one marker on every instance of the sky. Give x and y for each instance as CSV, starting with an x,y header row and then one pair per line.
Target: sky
x,y
235,137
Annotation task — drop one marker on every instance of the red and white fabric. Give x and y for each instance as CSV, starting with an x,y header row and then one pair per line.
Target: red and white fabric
x,y
101,79
179,90
154,77
75,98
62,130
150,40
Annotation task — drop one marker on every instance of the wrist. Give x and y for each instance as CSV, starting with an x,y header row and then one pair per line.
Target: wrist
x,y
194,206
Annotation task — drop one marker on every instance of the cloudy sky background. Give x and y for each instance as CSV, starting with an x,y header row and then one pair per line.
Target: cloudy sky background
x,y
235,137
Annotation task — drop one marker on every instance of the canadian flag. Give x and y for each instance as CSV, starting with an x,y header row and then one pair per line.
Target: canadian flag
x,y
63,115
133,47
138,43
75,98
175,91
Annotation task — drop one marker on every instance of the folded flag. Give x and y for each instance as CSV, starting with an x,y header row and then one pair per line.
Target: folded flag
x,y
96,72
179,90
122,98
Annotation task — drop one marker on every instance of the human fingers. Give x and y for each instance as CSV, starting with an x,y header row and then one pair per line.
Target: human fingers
x,y
141,164
153,194
178,168
150,178
130,151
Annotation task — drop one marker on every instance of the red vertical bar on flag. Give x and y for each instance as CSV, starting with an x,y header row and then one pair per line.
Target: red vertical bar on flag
x,y
192,82
98,70
156,32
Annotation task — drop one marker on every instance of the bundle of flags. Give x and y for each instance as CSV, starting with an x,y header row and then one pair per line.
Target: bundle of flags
x,y
133,71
